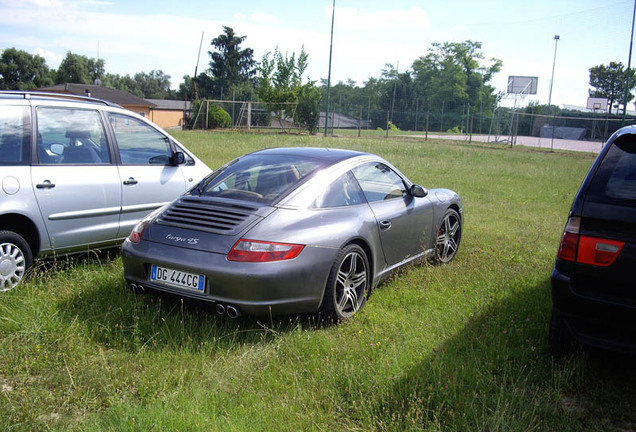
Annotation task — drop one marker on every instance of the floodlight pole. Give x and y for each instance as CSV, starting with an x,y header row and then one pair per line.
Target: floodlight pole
x,y
333,13
556,41
629,64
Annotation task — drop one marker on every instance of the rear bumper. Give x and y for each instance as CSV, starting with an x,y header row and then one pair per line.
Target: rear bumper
x,y
283,287
592,322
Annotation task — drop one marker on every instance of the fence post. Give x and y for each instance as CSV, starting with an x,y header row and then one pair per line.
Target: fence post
x,y
427,114
470,140
207,109
387,124
249,116
360,121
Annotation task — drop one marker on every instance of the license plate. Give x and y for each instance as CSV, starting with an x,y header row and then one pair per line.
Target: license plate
x,y
177,278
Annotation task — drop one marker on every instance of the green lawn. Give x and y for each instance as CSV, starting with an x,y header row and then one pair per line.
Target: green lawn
x,y
459,347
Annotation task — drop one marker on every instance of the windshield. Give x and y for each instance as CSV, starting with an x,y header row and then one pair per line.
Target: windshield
x,y
259,178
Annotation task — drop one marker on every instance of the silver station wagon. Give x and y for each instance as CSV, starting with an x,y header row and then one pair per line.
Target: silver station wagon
x,y
79,173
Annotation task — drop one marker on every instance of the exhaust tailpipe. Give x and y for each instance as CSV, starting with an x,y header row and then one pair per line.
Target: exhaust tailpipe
x,y
233,312
137,289
220,308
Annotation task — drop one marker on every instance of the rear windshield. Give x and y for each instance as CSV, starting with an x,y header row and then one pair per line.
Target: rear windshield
x,y
259,178
615,180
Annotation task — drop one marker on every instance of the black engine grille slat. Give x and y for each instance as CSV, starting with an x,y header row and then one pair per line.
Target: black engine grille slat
x,y
207,216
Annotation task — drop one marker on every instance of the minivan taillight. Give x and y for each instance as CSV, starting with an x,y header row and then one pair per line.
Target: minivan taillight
x,y
583,249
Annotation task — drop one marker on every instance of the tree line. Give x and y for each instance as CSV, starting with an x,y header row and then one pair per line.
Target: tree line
x,y
451,77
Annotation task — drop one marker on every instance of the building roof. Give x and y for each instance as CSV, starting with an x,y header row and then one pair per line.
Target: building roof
x,y
119,97
167,104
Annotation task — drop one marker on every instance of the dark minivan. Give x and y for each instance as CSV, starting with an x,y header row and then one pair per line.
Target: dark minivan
x,y
594,277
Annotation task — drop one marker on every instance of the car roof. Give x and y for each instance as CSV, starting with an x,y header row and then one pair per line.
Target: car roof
x,y
328,155
51,96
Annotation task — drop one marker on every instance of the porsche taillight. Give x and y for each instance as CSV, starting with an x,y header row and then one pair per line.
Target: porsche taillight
x,y
262,251
589,250
137,232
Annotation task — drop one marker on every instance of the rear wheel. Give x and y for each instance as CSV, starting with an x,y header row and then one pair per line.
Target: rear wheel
x,y
559,338
15,259
348,284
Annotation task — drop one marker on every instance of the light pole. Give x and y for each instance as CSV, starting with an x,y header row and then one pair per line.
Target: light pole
x,y
333,13
556,41
629,65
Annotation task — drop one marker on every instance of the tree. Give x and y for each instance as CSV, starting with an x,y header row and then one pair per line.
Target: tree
x,y
79,69
280,86
609,82
230,66
154,85
20,70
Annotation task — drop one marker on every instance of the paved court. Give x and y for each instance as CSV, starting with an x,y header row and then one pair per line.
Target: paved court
x,y
544,143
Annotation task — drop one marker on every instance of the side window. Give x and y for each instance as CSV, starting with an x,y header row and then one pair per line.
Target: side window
x,y
379,182
344,191
14,142
139,143
71,136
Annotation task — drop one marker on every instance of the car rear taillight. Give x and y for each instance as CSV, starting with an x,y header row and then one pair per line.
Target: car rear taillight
x,y
137,232
261,251
586,249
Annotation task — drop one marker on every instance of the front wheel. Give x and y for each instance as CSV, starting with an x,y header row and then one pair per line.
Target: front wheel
x,y
348,284
449,235
15,259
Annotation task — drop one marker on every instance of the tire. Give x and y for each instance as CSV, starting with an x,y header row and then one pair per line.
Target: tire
x,y
347,286
559,338
15,259
449,235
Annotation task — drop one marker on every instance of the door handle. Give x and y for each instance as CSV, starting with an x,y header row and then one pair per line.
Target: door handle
x,y
130,181
46,184
385,225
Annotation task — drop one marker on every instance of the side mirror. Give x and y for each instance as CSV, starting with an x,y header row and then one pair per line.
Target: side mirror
x,y
57,149
178,158
418,191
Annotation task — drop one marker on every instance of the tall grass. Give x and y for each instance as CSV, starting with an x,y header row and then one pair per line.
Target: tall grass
x,y
456,347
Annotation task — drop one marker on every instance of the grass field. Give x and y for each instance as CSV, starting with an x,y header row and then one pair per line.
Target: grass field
x,y
460,347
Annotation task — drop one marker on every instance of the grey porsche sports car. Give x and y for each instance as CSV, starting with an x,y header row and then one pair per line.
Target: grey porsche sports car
x,y
292,230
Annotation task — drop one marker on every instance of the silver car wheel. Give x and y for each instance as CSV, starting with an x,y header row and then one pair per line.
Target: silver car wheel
x,y
351,284
12,266
448,236
348,284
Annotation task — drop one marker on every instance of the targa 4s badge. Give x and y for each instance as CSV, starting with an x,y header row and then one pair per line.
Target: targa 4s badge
x,y
177,239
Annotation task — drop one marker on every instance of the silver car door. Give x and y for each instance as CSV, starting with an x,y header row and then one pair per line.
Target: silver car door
x,y
148,178
76,185
404,221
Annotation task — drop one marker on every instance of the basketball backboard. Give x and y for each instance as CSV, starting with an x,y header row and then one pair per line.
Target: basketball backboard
x,y
524,85
597,104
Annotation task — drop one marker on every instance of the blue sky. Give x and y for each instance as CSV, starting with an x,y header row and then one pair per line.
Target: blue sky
x,y
134,36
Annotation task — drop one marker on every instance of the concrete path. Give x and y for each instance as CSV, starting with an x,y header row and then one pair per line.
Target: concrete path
x,y
544,143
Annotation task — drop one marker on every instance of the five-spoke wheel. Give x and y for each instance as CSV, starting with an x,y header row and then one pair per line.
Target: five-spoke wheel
x,y
348,284
448,236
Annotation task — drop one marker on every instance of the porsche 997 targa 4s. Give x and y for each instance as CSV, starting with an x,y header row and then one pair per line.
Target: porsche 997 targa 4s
x,y
292,230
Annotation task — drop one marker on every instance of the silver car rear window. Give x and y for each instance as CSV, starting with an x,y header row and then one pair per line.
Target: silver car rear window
x,y
259,178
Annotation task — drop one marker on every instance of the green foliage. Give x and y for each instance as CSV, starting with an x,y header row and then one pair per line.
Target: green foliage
x,y
20,70
218,118
280,87
230,66
307,113
609,82
454,130
79,69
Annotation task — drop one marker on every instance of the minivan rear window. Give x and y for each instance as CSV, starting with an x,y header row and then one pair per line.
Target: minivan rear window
x,y
615,179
